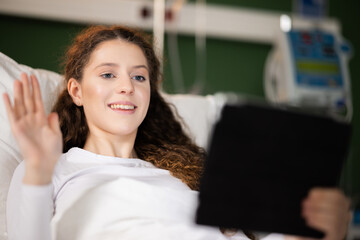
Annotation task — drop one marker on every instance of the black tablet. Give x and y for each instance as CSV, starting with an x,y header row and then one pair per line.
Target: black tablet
x,y
261,163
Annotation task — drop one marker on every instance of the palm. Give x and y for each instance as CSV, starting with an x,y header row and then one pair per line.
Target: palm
x,y
36,139
38,136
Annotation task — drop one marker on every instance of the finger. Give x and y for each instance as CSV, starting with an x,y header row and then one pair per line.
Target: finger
x,y
19,108
28,98
39,105
321,219
322,206
8,107
328,196
337,211
325,192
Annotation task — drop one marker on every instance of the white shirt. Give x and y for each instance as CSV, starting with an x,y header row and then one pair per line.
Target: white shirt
x,y
30,209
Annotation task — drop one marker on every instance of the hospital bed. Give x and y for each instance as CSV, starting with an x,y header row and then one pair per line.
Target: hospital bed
x,y
198,113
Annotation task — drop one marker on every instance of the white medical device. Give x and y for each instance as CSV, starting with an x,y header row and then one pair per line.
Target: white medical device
x,y
308,67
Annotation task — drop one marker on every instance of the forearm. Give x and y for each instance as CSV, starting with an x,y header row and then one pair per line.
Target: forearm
x,y
29,209
36,210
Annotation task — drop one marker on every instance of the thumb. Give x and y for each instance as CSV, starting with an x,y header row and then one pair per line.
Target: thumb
x,y
53,120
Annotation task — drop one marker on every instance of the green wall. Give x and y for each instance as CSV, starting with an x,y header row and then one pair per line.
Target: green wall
x,y
231,65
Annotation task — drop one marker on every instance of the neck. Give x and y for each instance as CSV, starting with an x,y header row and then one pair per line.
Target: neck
x,y
115,146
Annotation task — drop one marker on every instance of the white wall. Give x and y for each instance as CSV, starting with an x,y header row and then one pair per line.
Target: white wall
x,y
219,21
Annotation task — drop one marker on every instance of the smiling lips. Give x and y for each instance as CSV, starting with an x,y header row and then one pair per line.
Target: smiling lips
x,y
128,107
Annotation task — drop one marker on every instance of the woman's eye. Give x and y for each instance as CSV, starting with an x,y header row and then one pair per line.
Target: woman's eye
x,y
139,78
107,75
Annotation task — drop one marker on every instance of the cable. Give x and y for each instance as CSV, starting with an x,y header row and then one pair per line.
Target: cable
x,y
174,58
200,44
159,29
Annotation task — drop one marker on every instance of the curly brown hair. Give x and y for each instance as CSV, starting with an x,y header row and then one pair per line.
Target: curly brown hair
x,y
160,138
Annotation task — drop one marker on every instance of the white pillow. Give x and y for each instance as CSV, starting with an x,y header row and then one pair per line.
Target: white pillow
x,y
50,84
198,114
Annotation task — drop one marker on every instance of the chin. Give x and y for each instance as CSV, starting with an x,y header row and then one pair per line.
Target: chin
x,y
124,132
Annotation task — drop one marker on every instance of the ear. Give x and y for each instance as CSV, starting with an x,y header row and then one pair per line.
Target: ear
x,y
74,89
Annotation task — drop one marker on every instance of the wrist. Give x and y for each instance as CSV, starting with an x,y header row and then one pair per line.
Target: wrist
x,y
35,177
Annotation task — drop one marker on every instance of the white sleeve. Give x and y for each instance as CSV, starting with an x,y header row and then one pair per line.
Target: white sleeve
x,y
29,209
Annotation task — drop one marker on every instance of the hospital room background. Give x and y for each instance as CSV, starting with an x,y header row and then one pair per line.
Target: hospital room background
x,y
195,61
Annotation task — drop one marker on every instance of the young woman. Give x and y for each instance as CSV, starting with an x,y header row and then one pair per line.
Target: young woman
x,y
111,122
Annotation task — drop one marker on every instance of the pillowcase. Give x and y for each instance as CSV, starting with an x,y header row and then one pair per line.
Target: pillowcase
x,y
197,114
10,157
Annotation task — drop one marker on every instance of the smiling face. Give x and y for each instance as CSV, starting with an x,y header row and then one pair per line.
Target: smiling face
x,y
114,90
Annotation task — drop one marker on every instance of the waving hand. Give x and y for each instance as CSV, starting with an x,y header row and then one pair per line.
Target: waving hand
x,y
38,136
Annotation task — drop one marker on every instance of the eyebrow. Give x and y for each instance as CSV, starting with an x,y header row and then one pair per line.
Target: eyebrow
x,y
141,66
107,64
116,65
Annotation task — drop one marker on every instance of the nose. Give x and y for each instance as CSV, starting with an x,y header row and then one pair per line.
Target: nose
x,y
125,86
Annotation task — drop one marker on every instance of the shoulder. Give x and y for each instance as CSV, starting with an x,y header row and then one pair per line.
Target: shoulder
x,y
72,154
78,153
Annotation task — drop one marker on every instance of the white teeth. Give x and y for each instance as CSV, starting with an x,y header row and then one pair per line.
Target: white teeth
x,y
121,106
